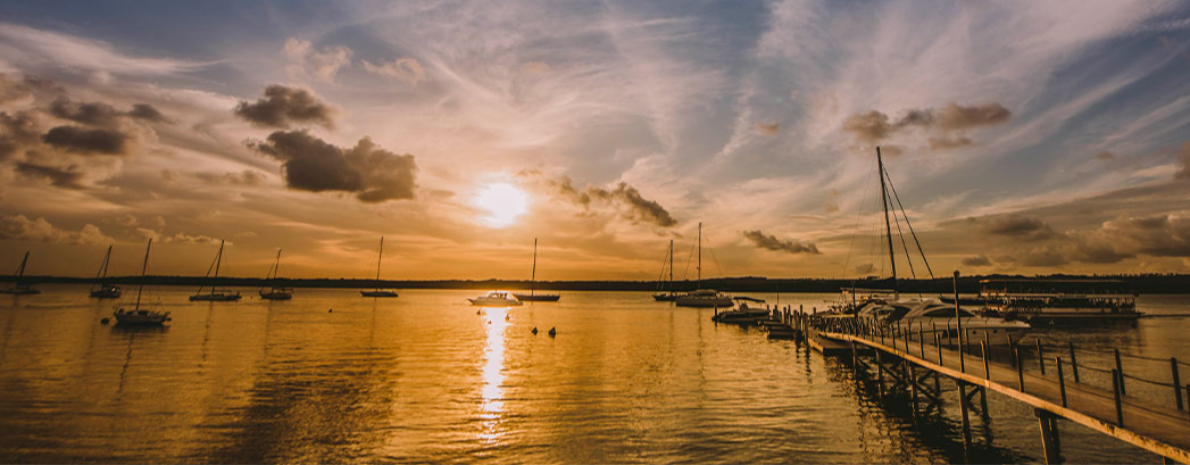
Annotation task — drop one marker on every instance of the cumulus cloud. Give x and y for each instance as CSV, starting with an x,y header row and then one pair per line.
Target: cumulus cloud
x,y
144,111
18,132
282,106
770,129
769,242
977,261
366,170
69,177
634,206
323,64
1183,162
192,239
101,114
947,124
87,141
19,227
406,70
865,269
1018,226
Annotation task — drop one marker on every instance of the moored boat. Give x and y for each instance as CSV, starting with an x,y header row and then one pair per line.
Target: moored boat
x,y
275,292
216,294
378,292
704,298
138,316
17,287
1060,301
533,296
495,299
105,290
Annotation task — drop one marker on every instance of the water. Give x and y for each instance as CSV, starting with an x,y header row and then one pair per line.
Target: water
x,y
423,378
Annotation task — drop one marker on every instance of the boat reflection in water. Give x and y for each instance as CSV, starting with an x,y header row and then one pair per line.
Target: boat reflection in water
x,y
492,394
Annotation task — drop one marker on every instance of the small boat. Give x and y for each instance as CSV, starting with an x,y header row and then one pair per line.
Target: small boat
x,y
275,292
1060,301
105,290
215,295
138,316
930,316
742,315
705,298
17,287
495,299
661,295
378,292
533,296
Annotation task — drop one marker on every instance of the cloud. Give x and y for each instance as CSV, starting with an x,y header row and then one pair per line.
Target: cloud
x,y
189,239
947,143
283,106
1017,226
370,172
865,269
635,207
406,70
18,133
871,127
954,117
70,177
18,227
144,111
977,261
947,124
769,242
1183,162
87,141
323,64
243,178
90,113
770,129
1105,155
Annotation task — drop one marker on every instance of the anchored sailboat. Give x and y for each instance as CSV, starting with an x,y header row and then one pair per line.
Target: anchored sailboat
x,y
276,292
215,295
17,287
533,296
662,295
703,297
105,290
137,316
378,292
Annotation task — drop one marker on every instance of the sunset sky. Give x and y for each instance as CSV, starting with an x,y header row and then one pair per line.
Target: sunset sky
x,y
1028,137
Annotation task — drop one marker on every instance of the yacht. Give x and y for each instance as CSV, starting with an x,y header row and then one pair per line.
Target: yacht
x,y
138,316
930,316
743,314
275,292
661,295
105,290
215,295
378,292
495,299
703,297
1056,301
17,287
533,296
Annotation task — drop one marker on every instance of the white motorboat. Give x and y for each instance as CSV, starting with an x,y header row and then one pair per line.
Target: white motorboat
x,y
705,298
932,316
138,316
216,295
495,299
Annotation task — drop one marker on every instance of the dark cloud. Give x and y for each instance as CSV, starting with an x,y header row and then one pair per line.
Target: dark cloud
x,y
89,113
243,178
370,172
1105,155
977,261
954,117
1183,162
144,111
70,177
770,129
947,143
870,127
18,133
283,106
87,141
769,242
636,208
947,124
1017,226
12,90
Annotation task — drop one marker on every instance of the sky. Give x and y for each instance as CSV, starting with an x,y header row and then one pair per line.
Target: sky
x,y
1020,137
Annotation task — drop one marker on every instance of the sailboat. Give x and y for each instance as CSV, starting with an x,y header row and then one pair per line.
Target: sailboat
x,y
533,296
17,287
137,316
662,296
703,297
378,292
215,295
275,293
105,290
925,315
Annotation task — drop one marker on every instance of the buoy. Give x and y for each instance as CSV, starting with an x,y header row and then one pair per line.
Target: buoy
x,y
534,329
553,332
105,320
477,312
505,317
330,310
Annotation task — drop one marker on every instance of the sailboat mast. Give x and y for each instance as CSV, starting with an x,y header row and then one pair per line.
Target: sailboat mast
x,y
699,267
379,259
887,226
533,279
218,261
277,265
671,267
143,269
21,270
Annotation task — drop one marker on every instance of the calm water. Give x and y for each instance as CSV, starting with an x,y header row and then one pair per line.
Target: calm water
x,y
424,378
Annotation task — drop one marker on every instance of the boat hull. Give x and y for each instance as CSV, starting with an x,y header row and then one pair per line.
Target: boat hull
x,y
215,297
538,297
107,293
665,297
717,302
378,293
276,295
141,318
494,303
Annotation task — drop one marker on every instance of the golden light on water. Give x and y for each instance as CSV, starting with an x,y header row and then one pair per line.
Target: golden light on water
x,y
492,393
504,203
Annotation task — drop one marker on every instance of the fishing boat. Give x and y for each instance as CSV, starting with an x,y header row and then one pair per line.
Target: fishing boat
x,y
1060,301
215,295
275,292
533,296
743,314
378,292
138,316
662,295
705,298
102,290
17,287
495,299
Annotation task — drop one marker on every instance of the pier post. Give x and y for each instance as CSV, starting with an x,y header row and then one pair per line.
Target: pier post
x,y
963,407
1020,370
1115,389
1177,381
938,344
913,387
880,374
1061,379
921,340
1012,351
987,369
1073,363
1040,358
1120,371
1049,435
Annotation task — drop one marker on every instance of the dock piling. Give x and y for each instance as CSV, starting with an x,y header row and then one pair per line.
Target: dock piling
x,y
1040,357
987,369
963,401
1120,371
1020,369
1116,384
1073,363
1049,436
1061,379
1177,381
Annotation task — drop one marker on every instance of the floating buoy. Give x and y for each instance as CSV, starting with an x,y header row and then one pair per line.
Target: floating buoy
x,y
477,312
330,310
534,330
105,320
553,332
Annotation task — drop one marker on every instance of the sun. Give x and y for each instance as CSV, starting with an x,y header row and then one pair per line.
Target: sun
x,y
504,203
